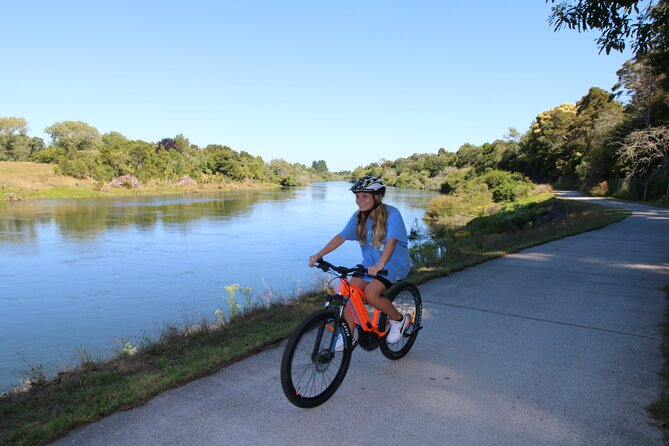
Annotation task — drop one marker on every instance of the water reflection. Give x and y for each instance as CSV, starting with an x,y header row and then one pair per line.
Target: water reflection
x,y
85,219
94,272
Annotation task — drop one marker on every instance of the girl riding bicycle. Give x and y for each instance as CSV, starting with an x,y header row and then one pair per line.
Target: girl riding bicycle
x,y
380,230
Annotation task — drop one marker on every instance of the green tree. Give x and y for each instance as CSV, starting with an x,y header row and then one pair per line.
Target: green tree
x,y
166,144
254,167
358,172
481,158
643,23
505,186
222,160
80,165
289,174
647,100
427,163
645,154
112,163
455,182
585,154
15,145
114,140
182,144
546,143
320,166
618,21
467,155
74,136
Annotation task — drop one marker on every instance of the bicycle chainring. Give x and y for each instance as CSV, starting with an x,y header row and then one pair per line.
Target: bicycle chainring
x,y
368,341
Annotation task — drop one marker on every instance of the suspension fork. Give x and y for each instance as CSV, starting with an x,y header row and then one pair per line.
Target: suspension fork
x,y
342,301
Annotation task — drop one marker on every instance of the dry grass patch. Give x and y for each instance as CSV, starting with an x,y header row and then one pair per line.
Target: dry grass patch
x,y
36,176
25,178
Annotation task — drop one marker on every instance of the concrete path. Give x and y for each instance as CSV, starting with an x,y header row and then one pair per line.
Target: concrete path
x,y
556,345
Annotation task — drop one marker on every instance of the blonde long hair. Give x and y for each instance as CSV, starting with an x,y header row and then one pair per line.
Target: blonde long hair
x,y
380,228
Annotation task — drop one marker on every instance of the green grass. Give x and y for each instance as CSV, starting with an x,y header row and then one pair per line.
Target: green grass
x,y
62,193
49,408
539,219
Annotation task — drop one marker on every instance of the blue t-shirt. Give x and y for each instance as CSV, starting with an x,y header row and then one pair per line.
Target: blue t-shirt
x,y
400,263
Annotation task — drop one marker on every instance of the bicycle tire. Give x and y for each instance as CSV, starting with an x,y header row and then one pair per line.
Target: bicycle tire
x,y
311,373
406,298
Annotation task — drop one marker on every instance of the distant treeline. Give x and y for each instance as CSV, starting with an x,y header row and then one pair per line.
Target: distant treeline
x,y
80,151
601,145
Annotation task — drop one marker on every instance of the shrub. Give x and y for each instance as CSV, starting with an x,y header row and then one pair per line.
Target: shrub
x,y
516,217
81,167
444,205
48,155
289,181
455,182
600,190
506,186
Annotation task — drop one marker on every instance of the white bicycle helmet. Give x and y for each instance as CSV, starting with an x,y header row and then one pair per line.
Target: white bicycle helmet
x,y
370,184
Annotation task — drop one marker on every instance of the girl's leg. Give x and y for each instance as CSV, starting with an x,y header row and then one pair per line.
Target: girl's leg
x,y
373,297
348,315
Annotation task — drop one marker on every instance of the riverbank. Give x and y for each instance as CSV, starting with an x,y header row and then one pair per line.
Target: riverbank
x,y
30,181
46,408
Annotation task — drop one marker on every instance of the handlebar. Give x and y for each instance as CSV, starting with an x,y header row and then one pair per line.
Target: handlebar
x,y
344,271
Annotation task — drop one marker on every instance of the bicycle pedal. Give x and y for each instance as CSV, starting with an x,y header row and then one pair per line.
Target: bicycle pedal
x,y
411,329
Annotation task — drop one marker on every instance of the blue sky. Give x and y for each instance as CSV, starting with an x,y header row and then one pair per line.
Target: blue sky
x,y
350,82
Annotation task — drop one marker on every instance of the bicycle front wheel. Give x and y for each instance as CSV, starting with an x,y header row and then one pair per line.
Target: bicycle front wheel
x,y
311,369
406,298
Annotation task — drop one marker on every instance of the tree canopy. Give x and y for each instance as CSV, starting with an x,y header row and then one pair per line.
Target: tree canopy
x,y
320,166
643,24
618,21
74,135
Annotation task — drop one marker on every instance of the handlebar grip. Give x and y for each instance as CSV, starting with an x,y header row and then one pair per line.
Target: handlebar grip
x,y
325,265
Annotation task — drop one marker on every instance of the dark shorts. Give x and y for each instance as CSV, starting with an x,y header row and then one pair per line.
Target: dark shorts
x,y
383,280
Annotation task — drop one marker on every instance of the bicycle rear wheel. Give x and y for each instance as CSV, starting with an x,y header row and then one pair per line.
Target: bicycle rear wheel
x,y
311,369
407,300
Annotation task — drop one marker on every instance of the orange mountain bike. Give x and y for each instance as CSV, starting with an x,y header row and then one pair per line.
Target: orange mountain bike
x,y
312,369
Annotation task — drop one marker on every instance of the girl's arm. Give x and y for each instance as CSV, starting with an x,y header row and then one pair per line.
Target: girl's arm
x,y
385,257
333,244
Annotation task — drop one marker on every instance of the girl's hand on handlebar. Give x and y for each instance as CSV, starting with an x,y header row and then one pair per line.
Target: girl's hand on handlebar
x,y
313,259
374,270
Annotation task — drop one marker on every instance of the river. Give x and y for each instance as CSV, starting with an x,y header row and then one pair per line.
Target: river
x,y
80,278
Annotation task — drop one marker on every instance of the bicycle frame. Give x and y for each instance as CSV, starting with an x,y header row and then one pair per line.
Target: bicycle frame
x,y
353,298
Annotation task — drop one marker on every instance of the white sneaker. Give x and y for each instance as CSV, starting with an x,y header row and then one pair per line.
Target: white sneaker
x,y
397,329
